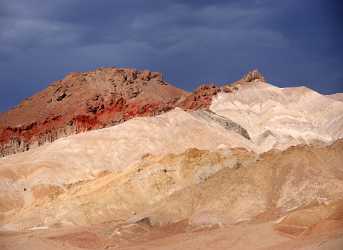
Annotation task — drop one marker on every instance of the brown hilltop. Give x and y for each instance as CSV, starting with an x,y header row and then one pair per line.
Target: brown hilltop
x,y
104,97
85,101
201,98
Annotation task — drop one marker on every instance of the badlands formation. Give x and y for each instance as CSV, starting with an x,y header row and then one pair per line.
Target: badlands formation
x,y
121,159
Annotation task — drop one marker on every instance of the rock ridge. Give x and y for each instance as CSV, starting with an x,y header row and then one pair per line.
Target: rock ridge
x,y
84,101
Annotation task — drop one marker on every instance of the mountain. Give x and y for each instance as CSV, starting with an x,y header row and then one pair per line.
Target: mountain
x,y
85,101
245,165
280,117
97,99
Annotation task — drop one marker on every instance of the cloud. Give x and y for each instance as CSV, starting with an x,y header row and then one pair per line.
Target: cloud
x,y
75,23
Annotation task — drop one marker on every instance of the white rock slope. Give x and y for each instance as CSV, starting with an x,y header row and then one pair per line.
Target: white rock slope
x,y
280,117
84,156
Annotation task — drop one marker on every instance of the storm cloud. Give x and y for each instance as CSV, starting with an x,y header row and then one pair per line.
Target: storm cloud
x,y
190,42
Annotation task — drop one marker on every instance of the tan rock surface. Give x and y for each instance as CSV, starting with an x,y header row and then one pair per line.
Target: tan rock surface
x,y
338,96
85,156
280,117
225,187
202,195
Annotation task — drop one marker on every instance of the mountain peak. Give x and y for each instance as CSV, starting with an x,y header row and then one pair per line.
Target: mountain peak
x,y
253,75
83,101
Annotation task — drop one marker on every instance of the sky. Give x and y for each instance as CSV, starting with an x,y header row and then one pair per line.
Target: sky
x,y
191,42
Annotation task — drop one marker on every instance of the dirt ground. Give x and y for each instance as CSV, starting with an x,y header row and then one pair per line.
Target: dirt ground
x,y
176,236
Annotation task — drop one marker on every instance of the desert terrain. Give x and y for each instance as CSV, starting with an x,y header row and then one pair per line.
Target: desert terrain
x,y
121,159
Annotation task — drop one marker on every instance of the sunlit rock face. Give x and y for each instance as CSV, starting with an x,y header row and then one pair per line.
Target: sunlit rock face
x,y
85,101
280,117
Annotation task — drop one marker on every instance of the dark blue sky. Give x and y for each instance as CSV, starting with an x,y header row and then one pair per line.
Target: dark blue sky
x,y
292,42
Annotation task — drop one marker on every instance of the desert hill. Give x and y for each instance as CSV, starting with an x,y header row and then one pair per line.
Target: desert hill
x,y
284,195
279,117
224,186
85,101
83,156
135,163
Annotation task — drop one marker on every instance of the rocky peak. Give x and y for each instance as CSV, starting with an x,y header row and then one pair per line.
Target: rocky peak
x,y
201,98
84,101
252,76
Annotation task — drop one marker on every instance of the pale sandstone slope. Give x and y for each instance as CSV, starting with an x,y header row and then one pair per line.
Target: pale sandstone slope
x,y
137,188
279,117
337,96
222,187
84,156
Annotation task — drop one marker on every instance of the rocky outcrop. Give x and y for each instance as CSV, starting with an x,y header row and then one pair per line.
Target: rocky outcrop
x,y
253,75
201,97
223,121
85,101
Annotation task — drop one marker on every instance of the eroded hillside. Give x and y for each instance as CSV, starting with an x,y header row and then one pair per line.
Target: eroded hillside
x,y
246,165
